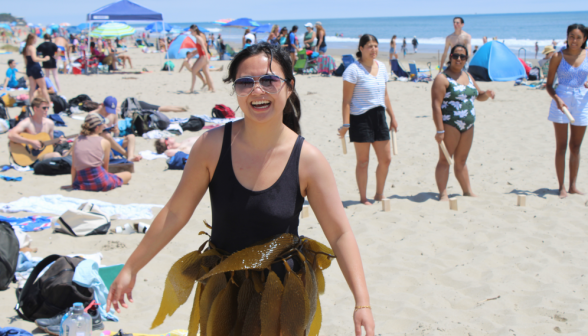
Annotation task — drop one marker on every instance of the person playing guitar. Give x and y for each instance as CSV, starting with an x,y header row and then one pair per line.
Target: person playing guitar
x,y
35,125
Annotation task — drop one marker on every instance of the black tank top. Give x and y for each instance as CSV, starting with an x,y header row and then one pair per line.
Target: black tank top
x,y
241,217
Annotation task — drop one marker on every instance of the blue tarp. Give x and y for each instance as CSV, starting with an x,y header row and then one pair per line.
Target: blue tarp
x,y
264,28
495,62
158,27
124,10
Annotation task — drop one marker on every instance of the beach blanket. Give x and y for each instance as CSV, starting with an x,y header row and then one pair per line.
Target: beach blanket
x,y
10,178
58,204
12,89
149,155
326,64
15,167
29,224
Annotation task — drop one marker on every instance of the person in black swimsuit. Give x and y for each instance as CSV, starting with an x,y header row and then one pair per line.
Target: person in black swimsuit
x,y
48,48
258,171
34,72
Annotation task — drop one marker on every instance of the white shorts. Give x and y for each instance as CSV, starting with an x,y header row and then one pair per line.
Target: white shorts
x,y
576,100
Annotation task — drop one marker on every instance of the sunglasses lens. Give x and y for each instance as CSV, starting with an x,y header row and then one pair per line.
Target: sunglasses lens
x,y
271,84
244,85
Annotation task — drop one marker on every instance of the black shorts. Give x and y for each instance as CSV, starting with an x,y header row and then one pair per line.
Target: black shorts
x,y
147,106
35,71
370,126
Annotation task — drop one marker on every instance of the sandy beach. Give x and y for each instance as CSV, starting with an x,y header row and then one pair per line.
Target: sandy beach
x,y
490,268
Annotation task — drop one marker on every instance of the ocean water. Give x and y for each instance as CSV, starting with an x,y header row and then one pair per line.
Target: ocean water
x,y
516,30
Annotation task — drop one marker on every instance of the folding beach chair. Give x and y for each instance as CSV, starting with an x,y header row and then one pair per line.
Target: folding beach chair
x,y
347,60
229,50
300,64
397,69
419,74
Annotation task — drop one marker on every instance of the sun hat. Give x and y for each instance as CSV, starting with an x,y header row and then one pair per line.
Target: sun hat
x,y
318,23
110,104
308,24
94,120
548,49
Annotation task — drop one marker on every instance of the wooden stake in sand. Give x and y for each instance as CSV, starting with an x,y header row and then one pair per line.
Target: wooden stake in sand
x,y
344,145
453,204
522,200
305,211
385,205
568,114
446,153
394,142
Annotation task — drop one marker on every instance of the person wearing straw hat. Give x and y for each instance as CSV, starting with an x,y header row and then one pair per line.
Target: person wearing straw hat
x,y
548,51
90,159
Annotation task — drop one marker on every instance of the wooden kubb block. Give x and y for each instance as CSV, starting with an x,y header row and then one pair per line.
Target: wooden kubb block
x,y
453,204
522,200
386,205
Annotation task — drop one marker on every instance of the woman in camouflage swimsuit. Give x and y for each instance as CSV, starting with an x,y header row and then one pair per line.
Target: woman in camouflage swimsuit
x,y
454,93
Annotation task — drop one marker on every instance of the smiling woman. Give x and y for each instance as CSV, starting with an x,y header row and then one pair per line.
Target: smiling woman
x,y
257,276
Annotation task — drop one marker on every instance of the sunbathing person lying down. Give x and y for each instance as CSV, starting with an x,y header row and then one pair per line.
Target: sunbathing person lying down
x,y
170,146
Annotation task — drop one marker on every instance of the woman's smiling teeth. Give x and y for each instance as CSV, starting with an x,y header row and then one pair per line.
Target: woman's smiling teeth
x,y
260,104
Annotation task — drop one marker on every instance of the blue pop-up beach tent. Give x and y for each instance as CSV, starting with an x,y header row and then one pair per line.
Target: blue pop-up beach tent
x,y
180,46
495,62
158,27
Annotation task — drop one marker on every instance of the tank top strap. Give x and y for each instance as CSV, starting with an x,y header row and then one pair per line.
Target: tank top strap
x,y
294,161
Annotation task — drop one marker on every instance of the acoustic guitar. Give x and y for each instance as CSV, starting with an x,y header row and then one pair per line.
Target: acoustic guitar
x,y
25,155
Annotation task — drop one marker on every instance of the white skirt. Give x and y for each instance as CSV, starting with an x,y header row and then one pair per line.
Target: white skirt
x,y
576,100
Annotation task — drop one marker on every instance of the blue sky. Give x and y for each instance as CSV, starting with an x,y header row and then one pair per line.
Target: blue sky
x,y
73,11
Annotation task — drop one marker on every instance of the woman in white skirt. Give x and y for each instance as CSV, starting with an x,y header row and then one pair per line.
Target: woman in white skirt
x,y
571,67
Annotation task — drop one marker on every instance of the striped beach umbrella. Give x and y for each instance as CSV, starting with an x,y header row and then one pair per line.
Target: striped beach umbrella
x,y
222,21
65,24
113,30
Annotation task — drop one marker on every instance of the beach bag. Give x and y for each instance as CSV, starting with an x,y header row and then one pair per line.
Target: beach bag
x,y
77,101
4,126
8,100
3,111
193,124
178,161
53,292
140,123
156,119
59,103
168,66
129,106
222,111
340,70
53,166
9,248
86,220
535,73
125,127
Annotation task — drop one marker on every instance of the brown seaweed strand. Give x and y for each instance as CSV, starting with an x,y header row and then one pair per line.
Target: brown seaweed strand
x,y
311,291
223,312
295,307
209,293
315,327
271,303
195,314
252,325
246,292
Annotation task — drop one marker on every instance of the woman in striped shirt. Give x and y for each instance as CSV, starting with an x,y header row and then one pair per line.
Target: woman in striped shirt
x,y
365,104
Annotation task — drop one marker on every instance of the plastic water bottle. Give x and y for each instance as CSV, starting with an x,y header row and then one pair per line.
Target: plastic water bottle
x,y
69,311
78,323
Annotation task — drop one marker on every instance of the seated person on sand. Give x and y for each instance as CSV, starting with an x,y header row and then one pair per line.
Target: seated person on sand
x,y
35,124
119,55
11,82
50,88
107,60
108,111
90,159
170,147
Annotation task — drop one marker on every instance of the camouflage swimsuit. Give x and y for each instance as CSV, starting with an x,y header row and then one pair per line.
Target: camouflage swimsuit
x,y
458,104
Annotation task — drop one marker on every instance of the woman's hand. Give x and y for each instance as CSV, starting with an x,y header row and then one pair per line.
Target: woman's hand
x,y
46,58
490,93
123,284
363,318
586,85
394,123
560,103
439,137
343,131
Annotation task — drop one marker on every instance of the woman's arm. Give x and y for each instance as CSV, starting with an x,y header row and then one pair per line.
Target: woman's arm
x,y
321,36
170,220
553,65
106,148
393,122
346,109
485,94
437,94
73,169
323,196
33,54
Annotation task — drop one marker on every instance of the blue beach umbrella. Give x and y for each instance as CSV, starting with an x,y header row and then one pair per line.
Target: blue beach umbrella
x,y
202,29
264,28
83,26
5,26
242,23
158,27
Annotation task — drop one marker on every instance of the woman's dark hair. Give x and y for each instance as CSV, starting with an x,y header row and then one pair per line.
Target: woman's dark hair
x,y
453,49
92,44
196,29
294,29
292,111
365,38
284,29
582,28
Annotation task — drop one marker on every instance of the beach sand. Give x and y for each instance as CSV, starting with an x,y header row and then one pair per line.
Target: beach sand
x,y
490,268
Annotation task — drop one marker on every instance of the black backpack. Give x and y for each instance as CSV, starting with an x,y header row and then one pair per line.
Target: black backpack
x,y
193,124
3,111
129,106
9,248
141,123
54,292
340,70
535,73
77,101
59,103
54,166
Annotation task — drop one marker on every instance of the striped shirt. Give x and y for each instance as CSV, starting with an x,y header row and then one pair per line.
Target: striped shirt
x,y
369,91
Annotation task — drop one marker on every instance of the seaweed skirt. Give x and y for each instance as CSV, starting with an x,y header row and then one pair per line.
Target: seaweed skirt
x,y
239,294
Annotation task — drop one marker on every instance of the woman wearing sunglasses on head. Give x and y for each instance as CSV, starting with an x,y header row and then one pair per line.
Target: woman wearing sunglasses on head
x,y
365,104
454,92
257,276
571,68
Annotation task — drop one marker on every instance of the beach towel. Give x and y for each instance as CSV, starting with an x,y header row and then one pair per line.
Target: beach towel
x,y
96,179
28,224
86,275
326,64
57,120
149,155
58,204
10,178
16,167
